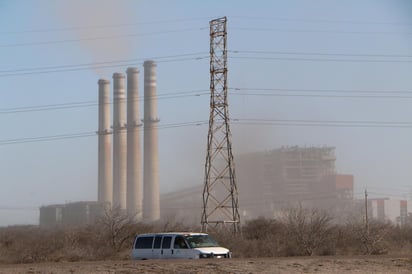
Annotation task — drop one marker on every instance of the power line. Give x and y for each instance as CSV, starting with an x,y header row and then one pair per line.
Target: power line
x,y
100,66
319,59
119,25
322,123
325,90
57,137
72,105
320,31
320,53
241,121
317,20
201,19
54,42
367,94
92,64
202,55
326,96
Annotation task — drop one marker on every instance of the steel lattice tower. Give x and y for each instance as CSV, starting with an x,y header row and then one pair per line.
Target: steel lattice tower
x,y
220,196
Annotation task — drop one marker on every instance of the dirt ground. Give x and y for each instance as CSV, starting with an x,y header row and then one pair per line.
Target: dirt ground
x,y
330,264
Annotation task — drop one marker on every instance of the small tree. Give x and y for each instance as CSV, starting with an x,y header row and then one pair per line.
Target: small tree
x,y
372,238
117,227
307,230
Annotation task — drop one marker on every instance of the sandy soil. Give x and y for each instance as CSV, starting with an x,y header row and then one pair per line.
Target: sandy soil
x,y
332,264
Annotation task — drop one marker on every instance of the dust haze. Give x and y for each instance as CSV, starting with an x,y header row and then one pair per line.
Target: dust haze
x,y
91,21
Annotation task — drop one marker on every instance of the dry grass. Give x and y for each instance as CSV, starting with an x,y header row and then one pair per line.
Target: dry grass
x,y
297,234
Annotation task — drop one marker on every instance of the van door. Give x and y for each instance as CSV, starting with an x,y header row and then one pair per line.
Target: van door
x,y
157,244
181,249
166,250
143,248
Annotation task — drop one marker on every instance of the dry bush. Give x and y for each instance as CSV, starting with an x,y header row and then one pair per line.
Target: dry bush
x,y
262,238
29,244
371,239
399,240
299,232
116,228
308,232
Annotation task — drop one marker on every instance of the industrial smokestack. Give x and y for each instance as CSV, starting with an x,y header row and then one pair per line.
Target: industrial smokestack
x,y
119,142
151,203
105,183
134,168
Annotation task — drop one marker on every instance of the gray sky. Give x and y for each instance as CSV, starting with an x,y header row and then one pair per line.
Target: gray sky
x,y
327,62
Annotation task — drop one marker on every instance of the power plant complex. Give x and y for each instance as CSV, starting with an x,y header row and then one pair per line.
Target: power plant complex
x,y
120,177
125,182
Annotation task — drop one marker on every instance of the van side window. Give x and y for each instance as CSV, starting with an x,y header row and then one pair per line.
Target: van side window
x,y
157,241
179,242
167,240
144,242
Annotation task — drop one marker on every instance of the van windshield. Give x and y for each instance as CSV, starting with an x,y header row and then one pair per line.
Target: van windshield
x,y
200,241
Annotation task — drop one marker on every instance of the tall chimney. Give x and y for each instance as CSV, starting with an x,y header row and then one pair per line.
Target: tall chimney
x,y
104,176
134,163
151,203
119,142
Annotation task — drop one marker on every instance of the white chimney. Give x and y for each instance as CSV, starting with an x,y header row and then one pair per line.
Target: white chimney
x,y
105,183
119,142
151,200
134,163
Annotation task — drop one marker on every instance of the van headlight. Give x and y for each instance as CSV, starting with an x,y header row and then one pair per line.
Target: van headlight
x,y
205,255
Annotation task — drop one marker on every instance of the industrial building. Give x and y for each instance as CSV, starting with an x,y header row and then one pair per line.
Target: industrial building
x,y
275,180
124,180
288,176
386,209
78,213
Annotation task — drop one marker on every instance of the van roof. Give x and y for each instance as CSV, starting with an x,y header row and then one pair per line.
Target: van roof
x,y
173,233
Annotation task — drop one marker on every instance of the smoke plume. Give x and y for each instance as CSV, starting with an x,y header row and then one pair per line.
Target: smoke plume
x,y
101,27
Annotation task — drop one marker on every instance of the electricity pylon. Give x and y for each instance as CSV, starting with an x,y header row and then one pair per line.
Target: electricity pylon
x,y
220,196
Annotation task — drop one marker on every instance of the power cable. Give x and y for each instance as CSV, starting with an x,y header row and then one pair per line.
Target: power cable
x,y
72,105
320,123
324,90
119,25
319,31
319,53
96,38
242,121
366,94
202,55
193,54
306,20
100,66
89,134
178,20
318,59
326,96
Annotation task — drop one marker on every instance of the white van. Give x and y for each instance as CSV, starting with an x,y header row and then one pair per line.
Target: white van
x,y
177,245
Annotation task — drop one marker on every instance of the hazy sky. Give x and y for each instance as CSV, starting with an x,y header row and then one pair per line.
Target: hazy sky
x,y
343,64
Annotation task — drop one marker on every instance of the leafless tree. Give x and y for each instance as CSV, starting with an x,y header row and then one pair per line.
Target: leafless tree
x,y
372,238
117,227
307,230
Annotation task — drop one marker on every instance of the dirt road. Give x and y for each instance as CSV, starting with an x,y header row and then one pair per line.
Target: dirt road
x,y
330,264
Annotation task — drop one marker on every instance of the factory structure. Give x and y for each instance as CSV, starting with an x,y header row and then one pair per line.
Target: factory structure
x,y
125,182
274,180
270,181
120,177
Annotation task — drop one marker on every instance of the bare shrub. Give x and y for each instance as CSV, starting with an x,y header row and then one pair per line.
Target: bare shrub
x,y
262,238
116,227
29,244
371,238
399,240
308,231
